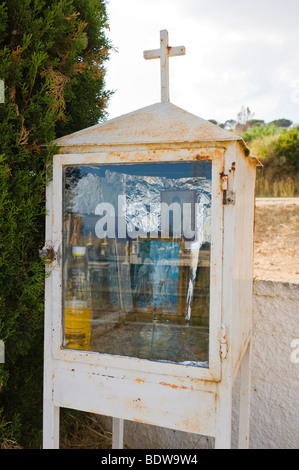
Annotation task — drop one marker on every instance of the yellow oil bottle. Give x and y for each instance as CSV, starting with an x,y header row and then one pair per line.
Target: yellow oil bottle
x,y
77,306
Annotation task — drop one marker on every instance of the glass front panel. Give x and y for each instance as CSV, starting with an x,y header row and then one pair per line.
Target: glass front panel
x,y
136,260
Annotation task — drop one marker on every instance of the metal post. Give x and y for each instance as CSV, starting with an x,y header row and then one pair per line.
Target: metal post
x,y
51,426
117,433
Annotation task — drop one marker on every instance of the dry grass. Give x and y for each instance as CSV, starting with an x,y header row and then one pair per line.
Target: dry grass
x,y
284,187
9,444
84,431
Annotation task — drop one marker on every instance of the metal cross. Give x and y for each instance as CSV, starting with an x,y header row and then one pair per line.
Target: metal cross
x,y
163,54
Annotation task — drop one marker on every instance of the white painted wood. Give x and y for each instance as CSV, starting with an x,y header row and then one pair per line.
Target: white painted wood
x,y
51,426
215,318
237,290
223,417
117,433
163,54
214,370
243,181
224,388
56,273
121,155
244,420
148,398
224,404
50,411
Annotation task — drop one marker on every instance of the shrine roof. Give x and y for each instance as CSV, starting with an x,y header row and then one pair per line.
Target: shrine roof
x,y
160,123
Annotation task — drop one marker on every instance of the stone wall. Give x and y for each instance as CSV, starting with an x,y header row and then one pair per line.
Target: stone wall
x,y
275,378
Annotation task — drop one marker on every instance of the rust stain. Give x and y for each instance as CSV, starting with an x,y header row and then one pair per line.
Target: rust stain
x,y
52,393
201,157
143,421
139,380
179,387
137,404
191,424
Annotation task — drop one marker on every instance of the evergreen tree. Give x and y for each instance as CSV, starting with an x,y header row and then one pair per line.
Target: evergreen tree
x,y
52,56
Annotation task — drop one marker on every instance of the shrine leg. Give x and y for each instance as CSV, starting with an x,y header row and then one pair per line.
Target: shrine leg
x,y
117,433
51,426
244,418
223,417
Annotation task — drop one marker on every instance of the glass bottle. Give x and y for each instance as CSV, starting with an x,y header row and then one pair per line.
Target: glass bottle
x,y
77,311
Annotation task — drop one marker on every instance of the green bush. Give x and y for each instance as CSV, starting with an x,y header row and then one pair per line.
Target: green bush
x,y
287,149
52,57
260,130
279,154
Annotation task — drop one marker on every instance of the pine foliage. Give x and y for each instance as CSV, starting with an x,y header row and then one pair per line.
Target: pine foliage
x,y
52,56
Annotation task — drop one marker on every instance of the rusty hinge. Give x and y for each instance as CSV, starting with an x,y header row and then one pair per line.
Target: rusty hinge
x,y
51,253
223,341
228,196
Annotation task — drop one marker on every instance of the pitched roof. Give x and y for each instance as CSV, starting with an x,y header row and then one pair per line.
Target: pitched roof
x,y
159,123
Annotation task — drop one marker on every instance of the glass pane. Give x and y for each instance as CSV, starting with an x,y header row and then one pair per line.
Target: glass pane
x,y
136,264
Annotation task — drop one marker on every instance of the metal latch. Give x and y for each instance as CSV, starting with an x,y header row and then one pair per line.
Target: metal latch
x,y
223,341
228,195
224,182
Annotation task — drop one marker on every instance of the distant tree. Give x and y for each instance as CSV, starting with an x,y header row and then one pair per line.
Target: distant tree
x,y
282,122
213,121
243,119
244,116
255,122
230,124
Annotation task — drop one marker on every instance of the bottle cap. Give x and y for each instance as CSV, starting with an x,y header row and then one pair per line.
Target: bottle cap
x,y
79,250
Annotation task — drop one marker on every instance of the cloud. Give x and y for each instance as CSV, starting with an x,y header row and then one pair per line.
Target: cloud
x,y
238,52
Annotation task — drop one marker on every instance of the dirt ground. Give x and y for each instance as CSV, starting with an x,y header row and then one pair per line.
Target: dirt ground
x,y
276,253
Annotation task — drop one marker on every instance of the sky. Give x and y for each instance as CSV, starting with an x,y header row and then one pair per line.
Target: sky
x,y
238,53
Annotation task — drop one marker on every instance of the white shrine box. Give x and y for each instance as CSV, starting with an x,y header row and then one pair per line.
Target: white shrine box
x,y
148,303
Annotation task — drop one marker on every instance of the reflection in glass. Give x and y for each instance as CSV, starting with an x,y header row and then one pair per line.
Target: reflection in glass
x,y
136,264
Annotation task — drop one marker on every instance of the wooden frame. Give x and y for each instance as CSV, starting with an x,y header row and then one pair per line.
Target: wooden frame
x,y
92,381
213,372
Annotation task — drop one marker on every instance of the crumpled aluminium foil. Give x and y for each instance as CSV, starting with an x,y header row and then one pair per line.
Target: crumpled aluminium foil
x,y
143,198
